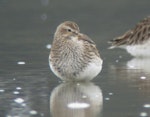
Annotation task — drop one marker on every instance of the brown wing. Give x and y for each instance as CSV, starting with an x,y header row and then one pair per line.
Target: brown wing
x,y
137,35
86,38
90,45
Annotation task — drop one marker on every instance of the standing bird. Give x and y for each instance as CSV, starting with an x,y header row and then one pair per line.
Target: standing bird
x,y
135,41
73,55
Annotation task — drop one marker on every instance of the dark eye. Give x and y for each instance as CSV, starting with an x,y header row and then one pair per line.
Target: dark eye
x,y
69,30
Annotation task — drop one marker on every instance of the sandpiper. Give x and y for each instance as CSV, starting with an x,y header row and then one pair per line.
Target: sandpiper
x,y
73,55
136,41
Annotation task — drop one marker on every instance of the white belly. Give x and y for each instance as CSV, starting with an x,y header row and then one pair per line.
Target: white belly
x,y
139,50
91,71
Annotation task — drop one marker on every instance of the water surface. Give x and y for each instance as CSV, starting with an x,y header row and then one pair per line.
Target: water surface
x,y
28,87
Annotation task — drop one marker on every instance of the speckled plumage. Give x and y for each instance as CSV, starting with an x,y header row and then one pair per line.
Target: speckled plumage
x,y
73,54
136,41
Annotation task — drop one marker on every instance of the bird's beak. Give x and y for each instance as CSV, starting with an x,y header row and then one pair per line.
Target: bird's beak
x,y
76,33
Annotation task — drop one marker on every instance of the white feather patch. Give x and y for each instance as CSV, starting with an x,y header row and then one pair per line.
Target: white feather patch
x,y
142,50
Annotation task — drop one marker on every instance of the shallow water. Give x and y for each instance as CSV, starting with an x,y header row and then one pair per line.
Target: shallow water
x,y
28,87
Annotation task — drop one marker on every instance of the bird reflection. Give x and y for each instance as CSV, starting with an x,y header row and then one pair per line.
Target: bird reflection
x,y
139,63
134,73
76,100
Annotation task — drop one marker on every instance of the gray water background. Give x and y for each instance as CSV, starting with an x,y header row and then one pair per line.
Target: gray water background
x,y
31,89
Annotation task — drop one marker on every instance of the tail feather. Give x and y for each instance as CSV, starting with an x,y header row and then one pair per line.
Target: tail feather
x,y
120,41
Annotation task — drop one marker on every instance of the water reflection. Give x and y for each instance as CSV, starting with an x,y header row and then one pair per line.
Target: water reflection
x,y
139,63
76,100
142,68
19,109
135,73
133,79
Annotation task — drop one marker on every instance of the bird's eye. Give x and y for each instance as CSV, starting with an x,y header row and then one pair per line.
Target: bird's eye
x,y
69,30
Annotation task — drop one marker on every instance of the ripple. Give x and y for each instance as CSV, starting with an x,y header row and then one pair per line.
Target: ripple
x,y
146,106
33,112
21,63
48,46
143,114
19,100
